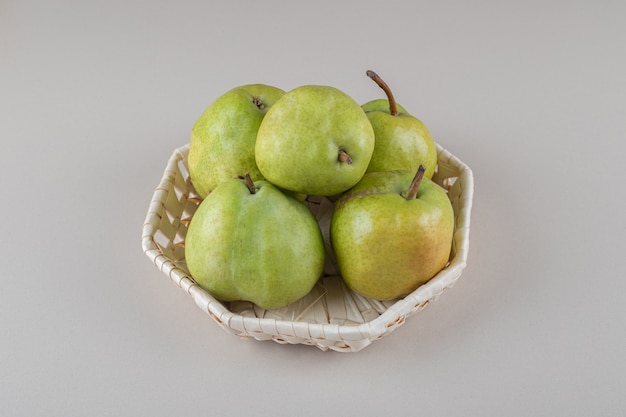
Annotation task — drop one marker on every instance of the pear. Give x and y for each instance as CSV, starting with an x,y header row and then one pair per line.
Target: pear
x,y
315,140
391,233
223,137
402,141
249,241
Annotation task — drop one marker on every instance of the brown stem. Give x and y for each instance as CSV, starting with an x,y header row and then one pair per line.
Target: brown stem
x,y
415,184
344,157
249,183
393,110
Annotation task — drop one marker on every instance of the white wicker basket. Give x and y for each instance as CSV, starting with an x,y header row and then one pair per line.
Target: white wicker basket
x,y
330,316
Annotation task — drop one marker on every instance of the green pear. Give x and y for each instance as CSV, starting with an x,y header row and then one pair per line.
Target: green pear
x,y
249,241
315,140
402,140
391,233
223,137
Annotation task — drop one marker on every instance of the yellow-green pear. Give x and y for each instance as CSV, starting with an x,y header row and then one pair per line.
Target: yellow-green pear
x,y
223,137
315,140
402,140
249,241
391,233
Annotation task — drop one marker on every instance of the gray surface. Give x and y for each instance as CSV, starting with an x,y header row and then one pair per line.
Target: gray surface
x,y
96,95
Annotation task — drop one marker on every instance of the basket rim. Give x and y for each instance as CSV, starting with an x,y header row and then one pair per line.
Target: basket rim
x,y
372,329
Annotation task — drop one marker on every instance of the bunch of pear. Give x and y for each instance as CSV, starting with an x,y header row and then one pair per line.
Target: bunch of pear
x,y
257,155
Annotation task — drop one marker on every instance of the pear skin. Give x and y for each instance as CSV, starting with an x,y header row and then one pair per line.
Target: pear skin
x,y
385,244
402,141
254,243
315,140
223,138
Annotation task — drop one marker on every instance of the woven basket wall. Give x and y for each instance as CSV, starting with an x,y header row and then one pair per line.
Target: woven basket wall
x,y
330,316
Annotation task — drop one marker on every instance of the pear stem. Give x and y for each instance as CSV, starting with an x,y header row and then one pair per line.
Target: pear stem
x,y
249,183
344,157
415,184
393,110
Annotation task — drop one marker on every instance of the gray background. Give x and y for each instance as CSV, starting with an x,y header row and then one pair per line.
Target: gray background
x,y
94,96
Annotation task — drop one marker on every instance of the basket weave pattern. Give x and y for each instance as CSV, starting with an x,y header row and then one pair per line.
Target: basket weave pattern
x,y
331,316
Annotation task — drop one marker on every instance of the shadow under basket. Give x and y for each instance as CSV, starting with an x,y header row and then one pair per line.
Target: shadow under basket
x,y
331,316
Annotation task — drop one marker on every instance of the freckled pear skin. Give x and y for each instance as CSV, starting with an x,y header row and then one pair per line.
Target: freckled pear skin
x,y
386,246
315,140
402,141
223,138
264,247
